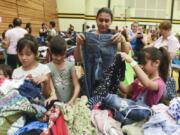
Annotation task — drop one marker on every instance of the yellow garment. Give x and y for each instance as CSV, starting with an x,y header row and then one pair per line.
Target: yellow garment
x,y
175,75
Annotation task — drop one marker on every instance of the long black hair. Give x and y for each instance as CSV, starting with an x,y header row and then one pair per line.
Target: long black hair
x,y
161,54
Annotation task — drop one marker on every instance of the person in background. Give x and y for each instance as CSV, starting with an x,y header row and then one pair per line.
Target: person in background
x,y
43,32
117,29
5,72
28,28
52,30
12,36
93,28
63,72
71,34
153,36
152,73
133,34
27,49
167,39
87,28
3,56
10,26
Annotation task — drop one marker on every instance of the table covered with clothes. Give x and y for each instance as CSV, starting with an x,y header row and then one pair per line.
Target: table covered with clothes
x,y
22,114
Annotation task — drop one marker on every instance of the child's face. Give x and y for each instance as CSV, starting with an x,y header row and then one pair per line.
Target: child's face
x,y
26,57
58,59
149,67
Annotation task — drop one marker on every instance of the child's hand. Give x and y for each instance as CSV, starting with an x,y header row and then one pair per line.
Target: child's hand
x,y
40,79
48,101
70,103
126,57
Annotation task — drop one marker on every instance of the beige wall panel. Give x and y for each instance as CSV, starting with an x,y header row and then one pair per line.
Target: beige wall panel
x,y
71,6
64,24
118,7
176,9
92,6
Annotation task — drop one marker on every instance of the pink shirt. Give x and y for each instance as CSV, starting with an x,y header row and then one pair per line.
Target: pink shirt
x,y
152,96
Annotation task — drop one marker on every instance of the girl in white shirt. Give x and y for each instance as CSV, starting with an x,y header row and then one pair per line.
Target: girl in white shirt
x,y
27,49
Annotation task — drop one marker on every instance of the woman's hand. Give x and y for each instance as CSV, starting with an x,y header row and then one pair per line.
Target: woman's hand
x,y
117,38
80,39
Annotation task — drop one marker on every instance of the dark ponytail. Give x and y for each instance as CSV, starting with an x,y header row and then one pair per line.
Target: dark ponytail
x,y
165,63
154,54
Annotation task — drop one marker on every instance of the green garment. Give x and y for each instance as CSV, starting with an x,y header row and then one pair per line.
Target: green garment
x,y
12,107
62,80
129,73
78,117
134,129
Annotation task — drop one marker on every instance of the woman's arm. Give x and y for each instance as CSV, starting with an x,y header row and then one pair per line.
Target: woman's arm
x,y
142,76
77,52
76,87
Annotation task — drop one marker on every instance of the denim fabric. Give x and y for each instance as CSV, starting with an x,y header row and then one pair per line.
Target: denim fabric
x,y
98,52
126,111
94,102
30,90
32,126
113,101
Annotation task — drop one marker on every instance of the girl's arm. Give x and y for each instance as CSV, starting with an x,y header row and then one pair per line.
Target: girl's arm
x,y
76,87
46,86
142,76
44,80
125,89
53,93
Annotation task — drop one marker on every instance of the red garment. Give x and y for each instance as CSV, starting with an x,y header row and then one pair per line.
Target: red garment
x,y
60,127
57,125
2,80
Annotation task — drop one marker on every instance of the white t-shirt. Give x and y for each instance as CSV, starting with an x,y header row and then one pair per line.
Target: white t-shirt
x,y
171,44
13,35
52,32
41,69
